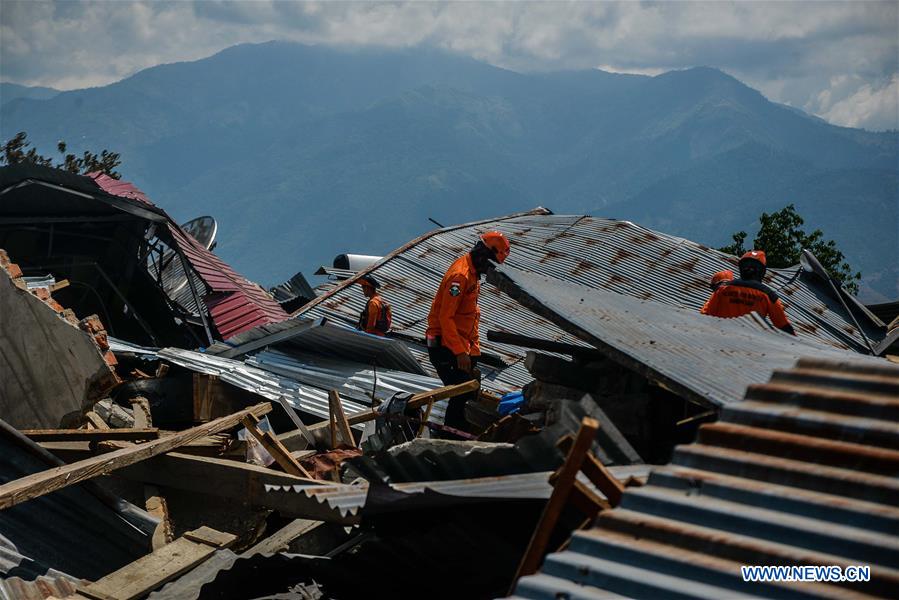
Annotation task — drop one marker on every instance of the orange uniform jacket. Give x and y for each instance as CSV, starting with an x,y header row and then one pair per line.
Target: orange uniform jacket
x,y
743,297
371,315
454,313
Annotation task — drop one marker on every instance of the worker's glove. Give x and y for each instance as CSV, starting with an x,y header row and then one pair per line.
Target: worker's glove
x,y
463,362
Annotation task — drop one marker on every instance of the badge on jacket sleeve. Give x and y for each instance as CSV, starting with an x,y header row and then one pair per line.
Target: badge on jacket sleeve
x,y
455,289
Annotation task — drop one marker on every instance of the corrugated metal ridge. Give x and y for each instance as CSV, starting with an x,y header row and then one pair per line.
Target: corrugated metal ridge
x,y
350,499
705,359
601,254
747,495
411,244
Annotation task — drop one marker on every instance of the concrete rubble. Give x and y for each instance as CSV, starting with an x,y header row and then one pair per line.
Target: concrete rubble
x,y
172,432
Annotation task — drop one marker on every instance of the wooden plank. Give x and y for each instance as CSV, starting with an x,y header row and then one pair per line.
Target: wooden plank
x,y
275,448
280,540
291,439
202,396
95,420
425,417
63,283
586,501
337,415
566,480
149,572
44,482
230,479
140,408
239,481
211,537
158,507
597,473
81,435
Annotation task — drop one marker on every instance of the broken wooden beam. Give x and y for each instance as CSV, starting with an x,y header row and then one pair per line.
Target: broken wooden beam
x,y
157,506
597,473
292,439
81,435
280,540
340,427
147,573
238,481
94,420
44,482
566,480
274,447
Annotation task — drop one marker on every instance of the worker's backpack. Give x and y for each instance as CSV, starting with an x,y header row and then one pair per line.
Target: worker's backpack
x,y
384,319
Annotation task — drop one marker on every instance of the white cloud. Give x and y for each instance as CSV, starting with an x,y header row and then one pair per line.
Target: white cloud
x,y
869,105
789,50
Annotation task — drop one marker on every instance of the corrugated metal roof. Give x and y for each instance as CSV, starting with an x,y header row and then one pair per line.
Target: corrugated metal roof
x,y
70,531
351,499
234,303
706,359
353,380
803,472
604,254
324,339
277,376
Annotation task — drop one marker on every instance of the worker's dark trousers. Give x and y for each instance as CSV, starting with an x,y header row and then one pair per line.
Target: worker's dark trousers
x,y
445,363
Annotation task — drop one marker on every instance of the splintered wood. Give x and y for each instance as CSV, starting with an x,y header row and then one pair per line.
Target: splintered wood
x,y
340,426
565,482
281,454
164,564
44,482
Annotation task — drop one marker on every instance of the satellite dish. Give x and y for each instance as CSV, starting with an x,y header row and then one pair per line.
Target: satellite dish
x,y
202,229
173,278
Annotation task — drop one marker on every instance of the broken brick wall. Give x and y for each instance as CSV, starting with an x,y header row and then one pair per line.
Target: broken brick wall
x,y
50,363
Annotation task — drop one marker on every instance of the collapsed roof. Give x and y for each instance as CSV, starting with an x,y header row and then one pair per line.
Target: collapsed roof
x,y
802,472
55,219
702,358
600,254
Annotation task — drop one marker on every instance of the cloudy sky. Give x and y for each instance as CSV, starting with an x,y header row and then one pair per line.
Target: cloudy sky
x,y
837,60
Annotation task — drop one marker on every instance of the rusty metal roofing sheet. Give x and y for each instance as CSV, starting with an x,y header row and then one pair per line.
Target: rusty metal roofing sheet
x,y
322,338
276,376
602,254
706,359
749,494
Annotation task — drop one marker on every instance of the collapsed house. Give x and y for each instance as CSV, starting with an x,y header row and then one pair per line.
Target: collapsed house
x,y
230,450
125,259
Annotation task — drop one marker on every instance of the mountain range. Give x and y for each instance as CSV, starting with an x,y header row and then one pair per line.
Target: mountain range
x,y
304,152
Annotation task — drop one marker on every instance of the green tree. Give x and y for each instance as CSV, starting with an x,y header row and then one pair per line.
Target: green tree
x,y
16,150
782,238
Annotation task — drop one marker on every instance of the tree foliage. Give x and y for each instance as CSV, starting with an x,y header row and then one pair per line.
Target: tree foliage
x,y
16,150
782,238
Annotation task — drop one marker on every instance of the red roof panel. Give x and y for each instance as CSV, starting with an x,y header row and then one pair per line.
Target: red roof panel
x,y
235,304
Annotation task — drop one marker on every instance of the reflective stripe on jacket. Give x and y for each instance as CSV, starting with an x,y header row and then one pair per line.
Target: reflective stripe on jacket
x,y
454,312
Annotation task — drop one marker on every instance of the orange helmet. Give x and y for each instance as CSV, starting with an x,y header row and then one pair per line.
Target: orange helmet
x,y
498,243
721,277
758,255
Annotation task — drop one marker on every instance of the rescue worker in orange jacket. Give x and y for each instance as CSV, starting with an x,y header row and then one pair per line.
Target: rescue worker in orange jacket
x,y
718,279
748,294
452,333
376,317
